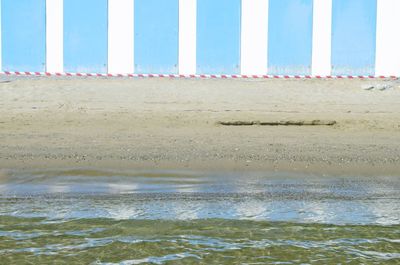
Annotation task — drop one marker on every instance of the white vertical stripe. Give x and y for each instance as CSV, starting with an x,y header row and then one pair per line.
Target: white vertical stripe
x,y
254,37
187,36
120,36
322,28
387,38
1,31
54,36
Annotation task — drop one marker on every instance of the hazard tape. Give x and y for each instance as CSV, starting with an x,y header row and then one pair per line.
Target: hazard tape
x,y
201,76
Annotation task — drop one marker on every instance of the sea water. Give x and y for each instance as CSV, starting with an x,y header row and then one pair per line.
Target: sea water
x,y
92,217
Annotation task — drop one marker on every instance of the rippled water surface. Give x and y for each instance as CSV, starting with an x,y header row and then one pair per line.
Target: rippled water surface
x,y
89,217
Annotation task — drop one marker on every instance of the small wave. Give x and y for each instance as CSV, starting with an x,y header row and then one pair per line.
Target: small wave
x,y
106,241
152,260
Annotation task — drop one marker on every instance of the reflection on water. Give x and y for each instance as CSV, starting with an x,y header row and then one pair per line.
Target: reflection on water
x,y
83,217
76,194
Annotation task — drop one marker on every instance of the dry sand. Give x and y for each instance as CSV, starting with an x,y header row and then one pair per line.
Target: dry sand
x,y
136,124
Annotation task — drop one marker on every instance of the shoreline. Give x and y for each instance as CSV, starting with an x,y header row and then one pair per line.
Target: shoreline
x,y
163,124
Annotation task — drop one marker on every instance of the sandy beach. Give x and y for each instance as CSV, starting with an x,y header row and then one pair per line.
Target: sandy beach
x,y
351,127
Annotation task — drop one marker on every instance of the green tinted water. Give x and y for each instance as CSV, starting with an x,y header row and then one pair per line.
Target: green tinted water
x,y
102,241
65,218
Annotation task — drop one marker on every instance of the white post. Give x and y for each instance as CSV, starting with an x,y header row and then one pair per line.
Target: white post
x,y
254,37
54,36
120,36
187,36
1,44
322,31
387,38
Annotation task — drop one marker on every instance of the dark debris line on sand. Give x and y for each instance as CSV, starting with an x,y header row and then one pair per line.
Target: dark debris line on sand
x,y
279,123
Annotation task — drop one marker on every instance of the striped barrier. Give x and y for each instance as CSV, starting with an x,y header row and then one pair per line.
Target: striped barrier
x,y
194,76
201,38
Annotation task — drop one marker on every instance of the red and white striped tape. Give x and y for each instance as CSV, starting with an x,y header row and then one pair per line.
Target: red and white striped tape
x,y
207,76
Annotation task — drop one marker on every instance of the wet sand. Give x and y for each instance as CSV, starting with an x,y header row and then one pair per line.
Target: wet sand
x,y
134,124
